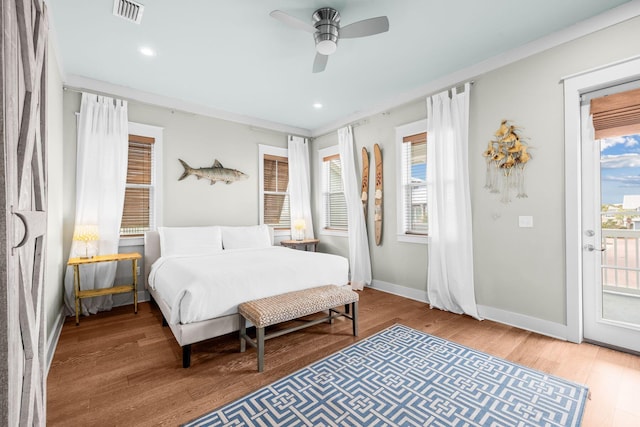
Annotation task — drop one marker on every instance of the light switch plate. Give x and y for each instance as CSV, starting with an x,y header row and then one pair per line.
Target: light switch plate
x,y
525,221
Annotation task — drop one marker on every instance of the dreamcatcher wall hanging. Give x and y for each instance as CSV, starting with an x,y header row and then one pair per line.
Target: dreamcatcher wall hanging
x,y
506,157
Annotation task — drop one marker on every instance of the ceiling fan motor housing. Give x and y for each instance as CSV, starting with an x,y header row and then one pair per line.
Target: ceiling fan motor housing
x,y
326,20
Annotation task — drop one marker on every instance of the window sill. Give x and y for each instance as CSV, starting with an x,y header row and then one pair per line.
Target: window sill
x,y
408,238
131,241
283,232
339,233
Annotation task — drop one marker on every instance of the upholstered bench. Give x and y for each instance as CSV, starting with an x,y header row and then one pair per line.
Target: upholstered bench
x,y
293,305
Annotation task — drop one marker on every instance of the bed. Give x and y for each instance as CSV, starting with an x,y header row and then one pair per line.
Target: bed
x,y
198,275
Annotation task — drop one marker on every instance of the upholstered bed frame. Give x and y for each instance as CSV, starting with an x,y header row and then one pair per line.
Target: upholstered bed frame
x,y
192,332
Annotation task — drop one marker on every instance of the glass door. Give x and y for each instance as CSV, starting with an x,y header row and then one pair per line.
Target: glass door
x,y
611,237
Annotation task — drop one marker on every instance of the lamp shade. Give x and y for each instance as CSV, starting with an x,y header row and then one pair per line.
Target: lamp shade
x,y
86,233
299,227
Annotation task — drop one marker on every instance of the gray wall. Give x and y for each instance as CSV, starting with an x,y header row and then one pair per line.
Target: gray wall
x,y
197,140
522,269
55,261
518,270
393,262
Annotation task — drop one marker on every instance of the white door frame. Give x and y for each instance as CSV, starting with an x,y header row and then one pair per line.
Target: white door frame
x,y
574,86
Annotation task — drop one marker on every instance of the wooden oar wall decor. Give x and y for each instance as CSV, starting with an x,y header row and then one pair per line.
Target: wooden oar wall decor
x,y
377,213
365,183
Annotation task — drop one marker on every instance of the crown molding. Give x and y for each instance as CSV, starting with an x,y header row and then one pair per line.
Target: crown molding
x,y
80,83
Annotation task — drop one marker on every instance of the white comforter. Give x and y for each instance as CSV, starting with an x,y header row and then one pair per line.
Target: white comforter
x,y
203,287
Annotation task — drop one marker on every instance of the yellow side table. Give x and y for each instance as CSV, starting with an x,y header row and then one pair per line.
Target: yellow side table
x,y
133,287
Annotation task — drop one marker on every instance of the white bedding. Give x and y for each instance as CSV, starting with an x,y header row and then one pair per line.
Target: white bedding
x,y
203,287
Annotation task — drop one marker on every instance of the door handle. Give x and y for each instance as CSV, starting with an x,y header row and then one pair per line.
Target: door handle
x,y
591,248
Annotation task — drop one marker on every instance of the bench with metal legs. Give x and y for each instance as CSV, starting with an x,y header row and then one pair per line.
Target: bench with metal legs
x,y
294,305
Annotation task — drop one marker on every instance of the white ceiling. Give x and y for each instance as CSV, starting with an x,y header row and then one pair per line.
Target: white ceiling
x,y
231,59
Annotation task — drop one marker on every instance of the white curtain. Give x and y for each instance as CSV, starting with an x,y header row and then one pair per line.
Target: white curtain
x,y
450,277
359,261
101,173
300,183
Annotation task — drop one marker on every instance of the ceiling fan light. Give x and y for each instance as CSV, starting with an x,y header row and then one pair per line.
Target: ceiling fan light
x,y
326,47
147,51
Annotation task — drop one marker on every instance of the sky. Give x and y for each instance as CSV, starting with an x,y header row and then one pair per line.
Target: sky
x,y
418,172
620,168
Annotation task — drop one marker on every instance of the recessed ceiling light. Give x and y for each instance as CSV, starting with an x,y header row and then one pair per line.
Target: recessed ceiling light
x,y
147,51
317,105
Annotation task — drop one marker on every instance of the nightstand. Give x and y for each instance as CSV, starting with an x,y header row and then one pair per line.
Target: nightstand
x,y
133,287
305,245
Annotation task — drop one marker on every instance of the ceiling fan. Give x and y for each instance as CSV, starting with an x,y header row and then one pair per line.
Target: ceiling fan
x,y
326,31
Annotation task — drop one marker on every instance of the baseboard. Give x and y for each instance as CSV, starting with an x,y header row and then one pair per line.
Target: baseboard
x,y
403,291
54,337
143,296
120,300
528,323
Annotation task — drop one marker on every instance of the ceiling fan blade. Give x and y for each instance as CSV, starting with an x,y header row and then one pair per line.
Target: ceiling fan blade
x,y
320,63
292,21
366,27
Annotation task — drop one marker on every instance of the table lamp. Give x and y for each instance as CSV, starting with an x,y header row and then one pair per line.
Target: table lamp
x,y
299,227
86,234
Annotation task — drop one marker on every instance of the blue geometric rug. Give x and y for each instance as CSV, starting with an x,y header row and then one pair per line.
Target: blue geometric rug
x,y
404,377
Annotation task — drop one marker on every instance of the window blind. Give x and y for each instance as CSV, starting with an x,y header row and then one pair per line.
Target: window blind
x,y
275,191
137,214
414,180
335,209
617,114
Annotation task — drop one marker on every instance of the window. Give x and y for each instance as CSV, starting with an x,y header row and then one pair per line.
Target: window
x,y
141,198
274,183
334,204
136,215
413,223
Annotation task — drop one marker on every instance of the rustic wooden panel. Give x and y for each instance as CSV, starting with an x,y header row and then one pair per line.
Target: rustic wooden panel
x,y
23,175
10,83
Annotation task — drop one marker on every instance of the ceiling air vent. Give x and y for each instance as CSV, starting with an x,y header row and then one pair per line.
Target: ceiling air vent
x,y
129,10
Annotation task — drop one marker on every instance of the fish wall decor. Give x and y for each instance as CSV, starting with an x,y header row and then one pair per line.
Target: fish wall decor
x,y
215,173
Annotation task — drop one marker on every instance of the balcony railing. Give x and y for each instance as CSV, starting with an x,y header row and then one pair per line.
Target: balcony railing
x,y
621,261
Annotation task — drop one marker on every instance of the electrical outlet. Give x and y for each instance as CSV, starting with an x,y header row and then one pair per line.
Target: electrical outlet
x,y
137,270
525,221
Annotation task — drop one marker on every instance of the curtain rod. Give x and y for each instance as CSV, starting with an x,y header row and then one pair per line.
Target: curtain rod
x,y
365,121
352,124
457,86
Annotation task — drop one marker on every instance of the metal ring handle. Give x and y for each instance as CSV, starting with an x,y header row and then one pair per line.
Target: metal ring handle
x,y
25,239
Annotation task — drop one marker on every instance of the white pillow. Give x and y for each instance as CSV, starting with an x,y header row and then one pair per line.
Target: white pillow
x,y
190,240
254,236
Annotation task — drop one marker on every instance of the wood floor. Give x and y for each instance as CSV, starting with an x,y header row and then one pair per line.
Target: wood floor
x,y
118,368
